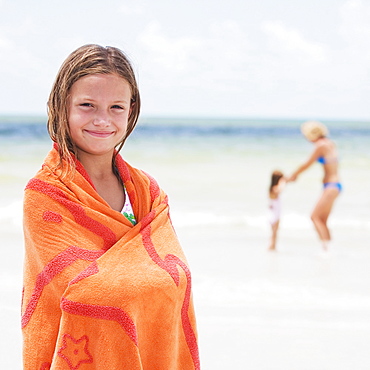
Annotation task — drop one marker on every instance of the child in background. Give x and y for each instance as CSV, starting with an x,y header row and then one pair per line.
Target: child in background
x,y
277,185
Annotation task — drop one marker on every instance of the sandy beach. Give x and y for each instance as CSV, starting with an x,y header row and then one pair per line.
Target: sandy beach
x,y
285,310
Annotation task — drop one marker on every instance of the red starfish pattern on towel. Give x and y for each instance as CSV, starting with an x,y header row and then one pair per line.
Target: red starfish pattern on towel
x,y
75,352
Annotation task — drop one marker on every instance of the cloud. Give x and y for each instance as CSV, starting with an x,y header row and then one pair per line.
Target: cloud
x,y
291,41
168,52
227,44
215,55
193,69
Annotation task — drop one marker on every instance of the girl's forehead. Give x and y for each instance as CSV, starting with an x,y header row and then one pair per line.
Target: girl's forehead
x,y
102,77
97,82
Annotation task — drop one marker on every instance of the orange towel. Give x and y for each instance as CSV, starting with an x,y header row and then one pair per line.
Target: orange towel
x,y
100,293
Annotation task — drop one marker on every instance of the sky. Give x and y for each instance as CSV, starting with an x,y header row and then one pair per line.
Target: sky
x,y
200,58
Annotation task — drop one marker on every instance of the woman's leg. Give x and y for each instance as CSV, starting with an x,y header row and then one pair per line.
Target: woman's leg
x,y
321,213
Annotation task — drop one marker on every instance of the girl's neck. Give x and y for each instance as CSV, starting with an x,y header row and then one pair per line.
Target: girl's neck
x,y
98,167
106,180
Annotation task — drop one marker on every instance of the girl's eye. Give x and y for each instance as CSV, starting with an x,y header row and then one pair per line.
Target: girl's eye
x,y
117,107
85,105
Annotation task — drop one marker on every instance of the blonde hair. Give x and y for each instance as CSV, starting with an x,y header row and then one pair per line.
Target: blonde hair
x,y
314,130
86,60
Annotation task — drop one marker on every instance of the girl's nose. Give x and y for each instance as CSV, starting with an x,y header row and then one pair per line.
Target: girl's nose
x,y
101,119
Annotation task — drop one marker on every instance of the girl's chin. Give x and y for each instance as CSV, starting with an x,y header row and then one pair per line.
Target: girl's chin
x,y
94,152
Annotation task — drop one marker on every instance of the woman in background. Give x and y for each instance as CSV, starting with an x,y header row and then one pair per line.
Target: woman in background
x,y
324,152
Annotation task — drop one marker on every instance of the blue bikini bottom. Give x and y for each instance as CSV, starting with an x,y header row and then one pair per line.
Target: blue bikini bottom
x,y
337,185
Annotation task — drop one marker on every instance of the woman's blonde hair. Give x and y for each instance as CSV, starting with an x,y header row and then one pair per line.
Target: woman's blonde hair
x,y
87,60
314,130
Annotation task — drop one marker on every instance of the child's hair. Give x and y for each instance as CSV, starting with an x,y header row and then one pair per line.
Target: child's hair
x,y
314,130
275,177
87,60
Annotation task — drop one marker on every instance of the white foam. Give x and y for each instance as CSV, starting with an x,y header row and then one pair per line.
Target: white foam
x,y
288,221
183,219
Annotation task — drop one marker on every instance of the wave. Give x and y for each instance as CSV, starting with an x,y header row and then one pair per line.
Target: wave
x,y
11,215
289,221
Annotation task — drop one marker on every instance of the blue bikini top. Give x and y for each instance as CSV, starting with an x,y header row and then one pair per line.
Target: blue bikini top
x,y
323,160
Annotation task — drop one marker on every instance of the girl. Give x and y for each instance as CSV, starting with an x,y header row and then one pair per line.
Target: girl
x,y
276,186
106,284
324,152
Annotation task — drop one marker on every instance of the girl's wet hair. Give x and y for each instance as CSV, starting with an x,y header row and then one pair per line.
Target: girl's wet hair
x,y
87,60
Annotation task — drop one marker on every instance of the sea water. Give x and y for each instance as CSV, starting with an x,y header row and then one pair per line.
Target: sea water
x,y
293,309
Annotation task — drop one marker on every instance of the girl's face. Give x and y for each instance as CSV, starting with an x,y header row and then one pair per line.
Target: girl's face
x,y
99,108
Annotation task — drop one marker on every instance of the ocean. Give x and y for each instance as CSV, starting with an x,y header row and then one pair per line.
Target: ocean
x,y
293,309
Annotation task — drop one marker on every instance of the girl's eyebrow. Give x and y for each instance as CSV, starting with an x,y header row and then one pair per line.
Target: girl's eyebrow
x,y
122,101
89,98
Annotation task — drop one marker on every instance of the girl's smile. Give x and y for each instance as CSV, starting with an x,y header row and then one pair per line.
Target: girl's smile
x,y
102,134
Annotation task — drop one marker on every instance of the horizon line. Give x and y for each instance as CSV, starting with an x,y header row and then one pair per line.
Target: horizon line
x,y
23,116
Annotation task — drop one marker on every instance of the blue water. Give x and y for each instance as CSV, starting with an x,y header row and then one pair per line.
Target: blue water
x,y
18,127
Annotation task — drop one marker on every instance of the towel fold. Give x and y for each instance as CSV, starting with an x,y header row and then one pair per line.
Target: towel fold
x,y
99,292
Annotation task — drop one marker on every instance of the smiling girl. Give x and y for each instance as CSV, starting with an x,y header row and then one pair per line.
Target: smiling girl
x,y
106,283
